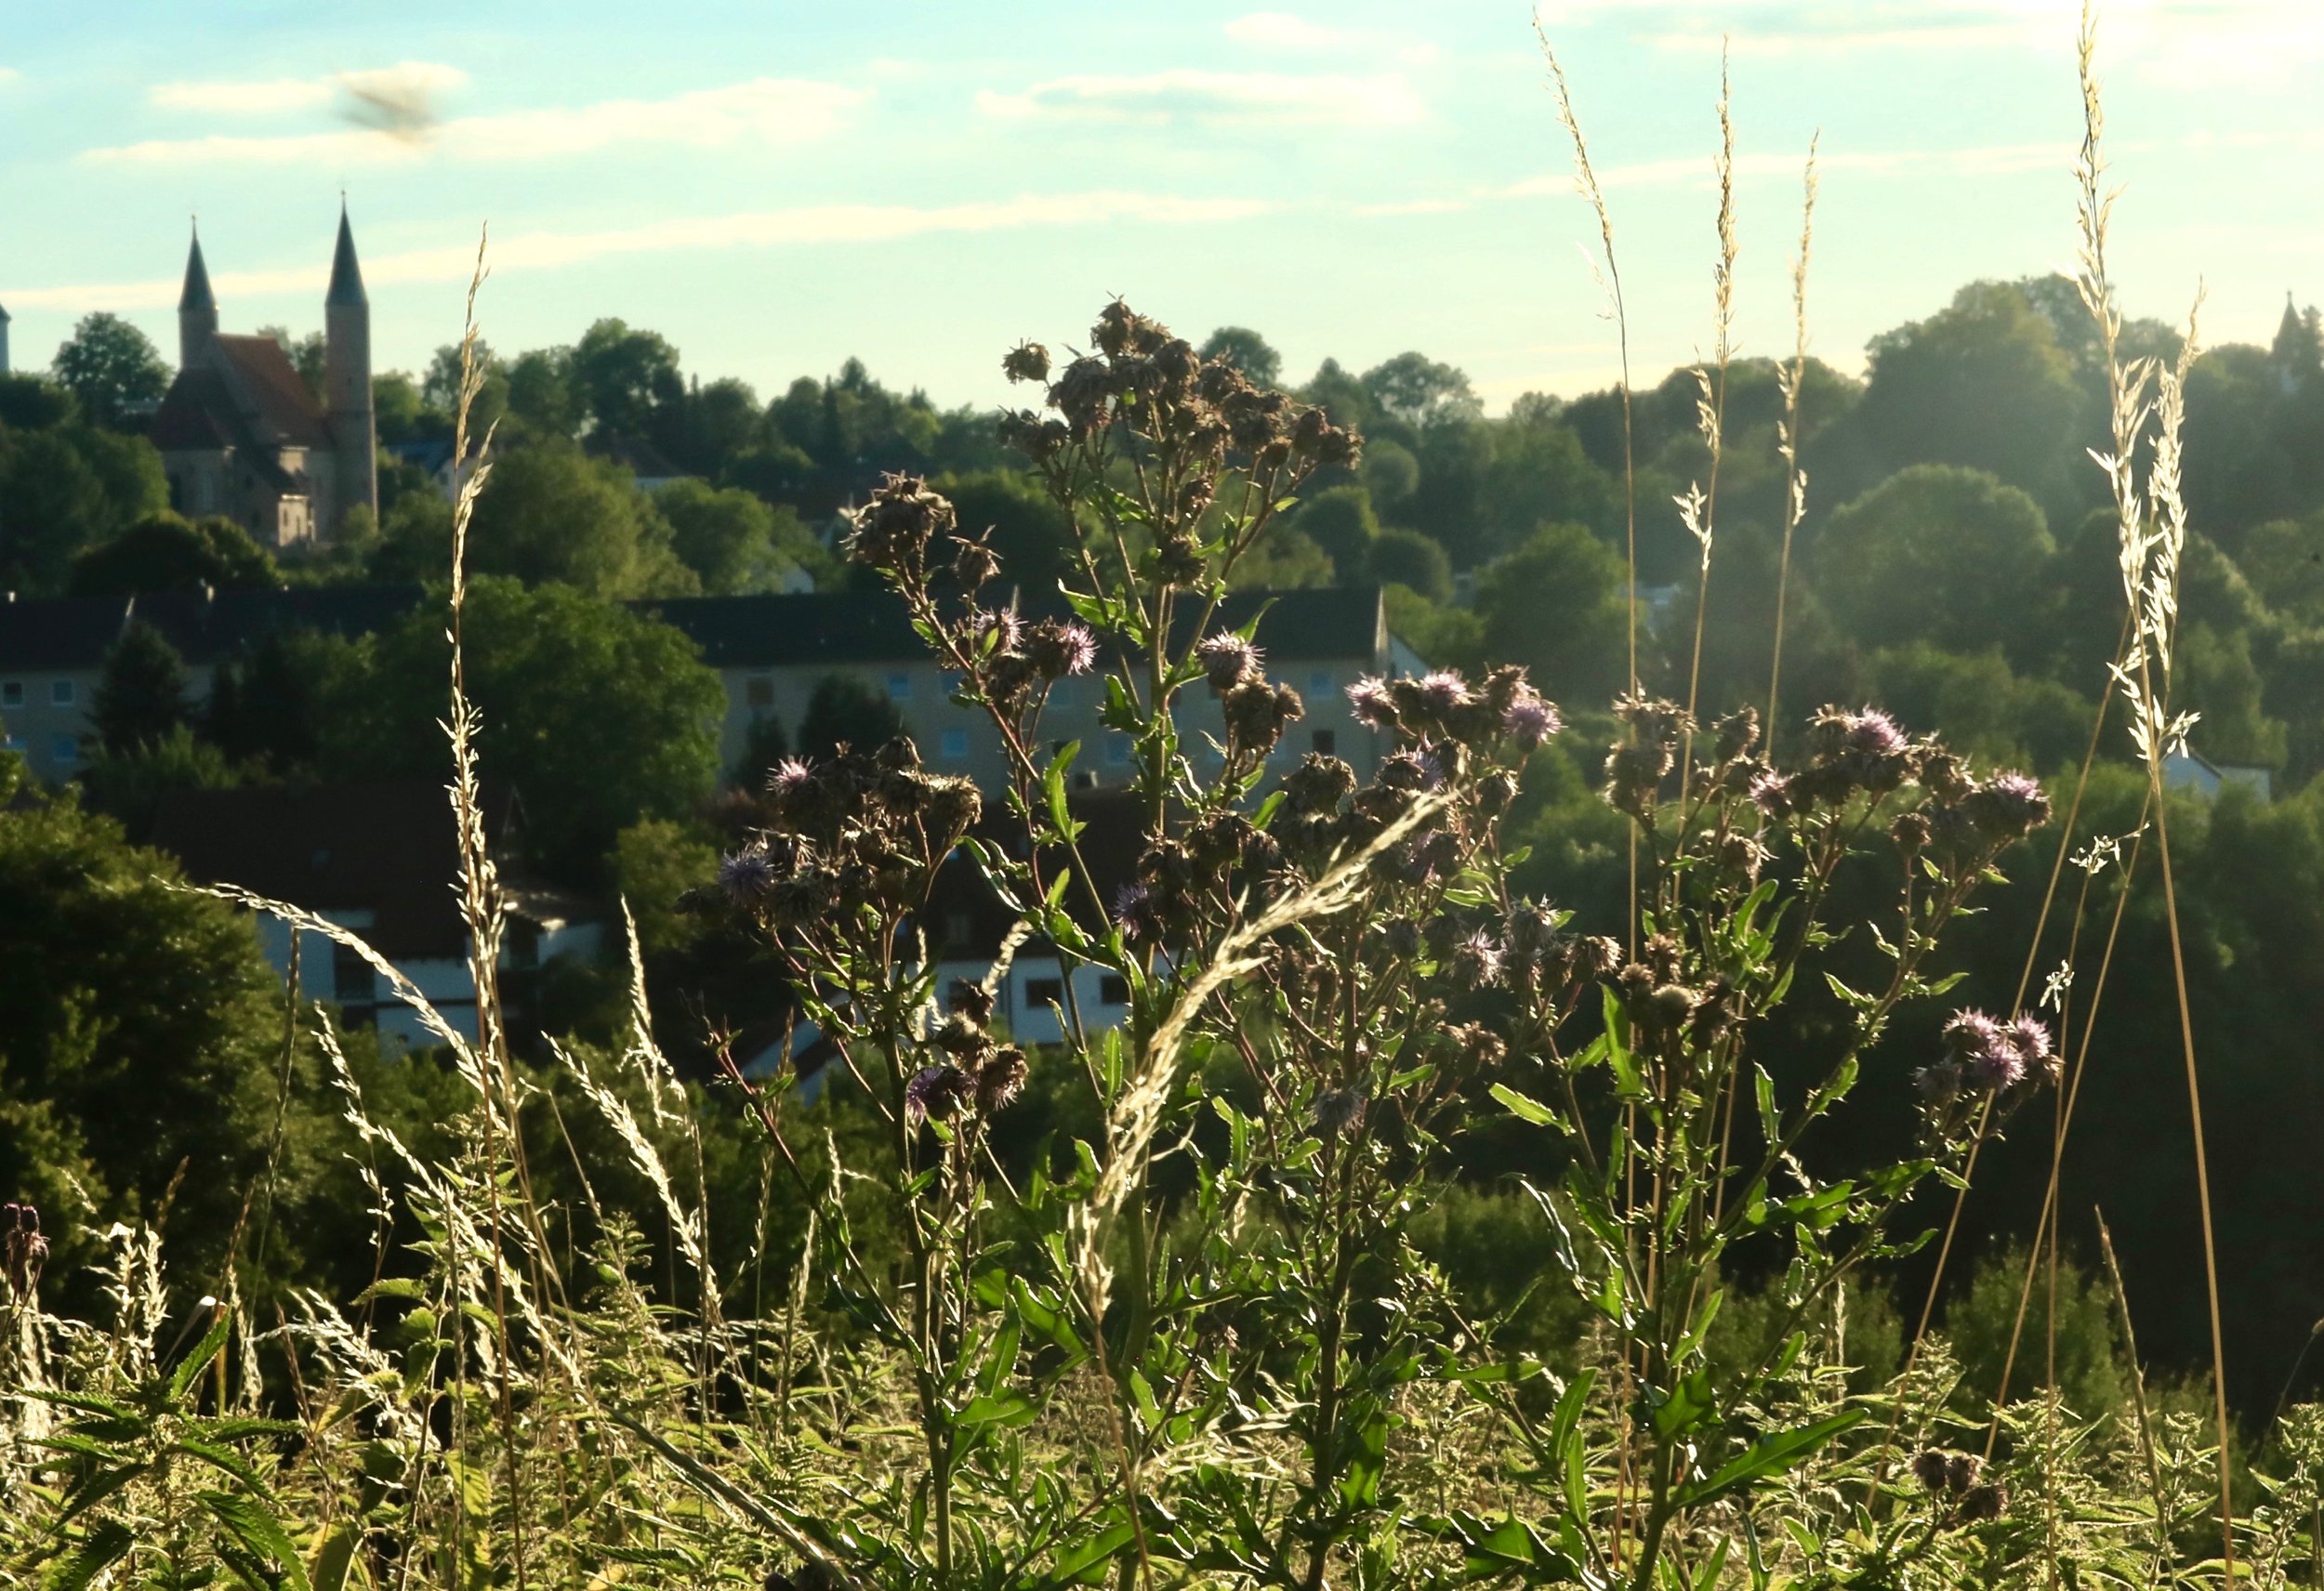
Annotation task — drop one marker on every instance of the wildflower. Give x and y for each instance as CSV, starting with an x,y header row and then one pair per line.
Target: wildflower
x,y
974,564
961,1036
23,1249
1596,955
972,1000
892,531
2007,807
1057,649
1910,831
1874,733
1228,660
1961,1471
1938,1083
1339,1111
1735,734
1771,793
1369,700
746,875
1121,330
995,630
1739,853
1135,912
1405,770
1318,784
953,807
999,1080
1083,393
787,780
1981,1504
1476,961
2031,1039
936,1092
1529,720
1027,362
1930,1469
1986,1052
1497,793
1444,692
1257,713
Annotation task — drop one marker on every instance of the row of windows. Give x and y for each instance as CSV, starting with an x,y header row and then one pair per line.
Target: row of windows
x,y
1043,993
62,749
62,693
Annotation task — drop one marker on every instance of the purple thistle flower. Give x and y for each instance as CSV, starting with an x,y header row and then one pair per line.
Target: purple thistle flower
x,y
934,1091
2030,1037
1228,660
1080,647
1476,961
1529,720
1135,913
1939,1083
1369,699
1985,1050
2008,805
987,623
787,778
1874,733
747,875
1771,793
1444,690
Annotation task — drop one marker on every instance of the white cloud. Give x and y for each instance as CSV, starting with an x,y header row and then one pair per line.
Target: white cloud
x,y
2183,43
1412,208
1384,101
1283,31
764,110
806,225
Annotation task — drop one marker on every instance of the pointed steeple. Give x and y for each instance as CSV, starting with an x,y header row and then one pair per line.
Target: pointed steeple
x,y
347,277
197,309
197,294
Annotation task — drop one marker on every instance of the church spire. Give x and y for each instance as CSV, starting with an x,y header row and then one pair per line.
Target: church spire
x,y
347,277
197,307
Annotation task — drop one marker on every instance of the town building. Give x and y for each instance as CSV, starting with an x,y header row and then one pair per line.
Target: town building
x,y
240,433
3,341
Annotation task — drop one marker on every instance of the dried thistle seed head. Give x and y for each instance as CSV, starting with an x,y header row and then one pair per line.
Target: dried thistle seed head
x,y
1194,496
1338,1113
1664,957
1595,956
1000,1079
1497,792
973,564
1736,735
1938,1083
1532,928
1059,648
1961,1471
1476,961
1121,330
1943,775
962,1038
1404,771
1039,440
1476,1044
1637,984
972,1000
1257,714
1657,722
952,809
1741,855
1402,939
1177,558
1166,867
1930,1469
1177,364
1027,362
1083,395
1771,793
1216,840
892,531
1668,1007
1228,660
995,630
1981,1504
1318,784
1910,831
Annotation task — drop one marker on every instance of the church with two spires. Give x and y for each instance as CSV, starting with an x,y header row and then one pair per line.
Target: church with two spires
x,y
242,435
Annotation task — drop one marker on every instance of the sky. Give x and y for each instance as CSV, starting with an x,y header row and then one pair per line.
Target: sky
x,y
777,187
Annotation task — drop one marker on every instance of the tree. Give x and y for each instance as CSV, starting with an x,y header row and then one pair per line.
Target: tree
x,y
440,387
716,424
1539,475
1034,535
626,378
31,402
556,514
543,397
656,862
143,694
398,412
137,1027
270,709
596,716
129,786
1421,391
1557,605
61,490
1339,520
1408,558
1982,383
1247,352
845,710
725,536
163,552
1938,554
110,365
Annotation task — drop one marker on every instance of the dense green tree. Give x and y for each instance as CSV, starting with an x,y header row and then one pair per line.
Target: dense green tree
x,y
1339,520
845,710
716,424
142,696
655,862
398,411
1034,537
1247,352
556,514
30,402
129,784
1408,558
1982,383
1389,472
626,378
544,398
270,709
440,387
725,536
56,505
136,1026
165,552
1557,605
1421,392
111,366
1539,475
1937,554
596,715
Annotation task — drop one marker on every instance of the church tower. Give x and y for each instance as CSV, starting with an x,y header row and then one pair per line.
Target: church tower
x,y
4,342
347,382
197,309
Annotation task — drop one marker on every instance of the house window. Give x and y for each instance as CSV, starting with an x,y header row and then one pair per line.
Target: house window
x,y
1325,742
957,930
1113,990
898,688
758,692
1319,682
954,744
12,693
351,978
11,742
1042,993
65,749
60,694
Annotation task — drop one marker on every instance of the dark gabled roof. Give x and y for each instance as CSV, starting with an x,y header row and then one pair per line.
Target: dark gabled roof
x,y
196,294
243,392
61,633
275,397
837,628
347,277
389,849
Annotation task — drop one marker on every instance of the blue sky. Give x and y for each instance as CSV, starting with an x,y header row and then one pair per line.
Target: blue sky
x,y
778,185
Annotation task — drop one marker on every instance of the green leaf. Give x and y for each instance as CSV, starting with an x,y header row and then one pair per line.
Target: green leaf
x,y
213,1342
1772,1454
1006,1407
254,1526
1527,1110
98,1551
334,1557
1077,1563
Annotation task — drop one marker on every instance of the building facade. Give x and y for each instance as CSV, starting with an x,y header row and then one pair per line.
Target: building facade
x,y
240,434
